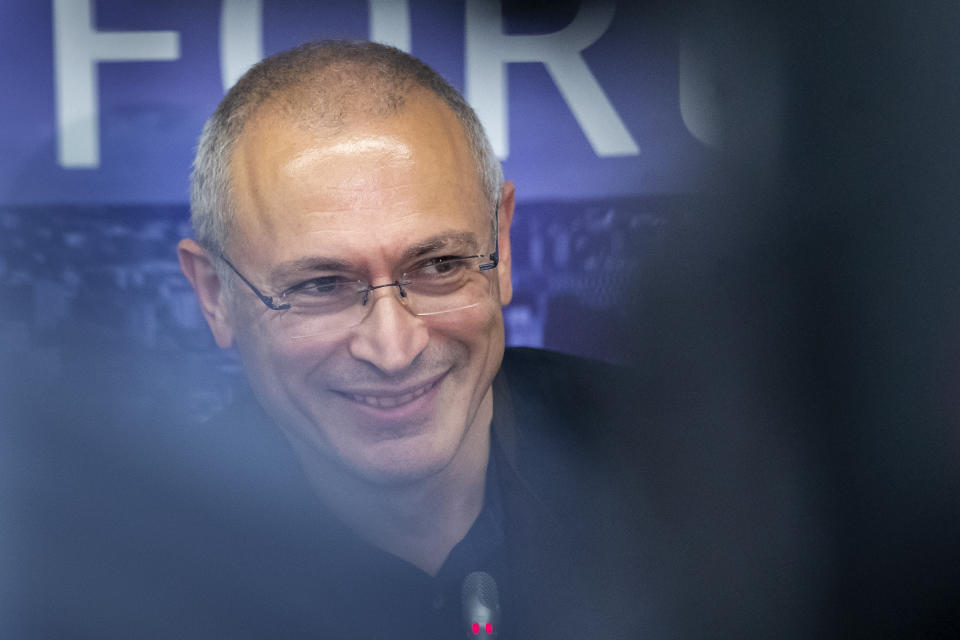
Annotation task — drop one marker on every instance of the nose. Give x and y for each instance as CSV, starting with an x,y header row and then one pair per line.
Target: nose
x,y
391,337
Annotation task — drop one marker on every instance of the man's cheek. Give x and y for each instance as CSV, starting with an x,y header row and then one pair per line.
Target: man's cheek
x,y
470,325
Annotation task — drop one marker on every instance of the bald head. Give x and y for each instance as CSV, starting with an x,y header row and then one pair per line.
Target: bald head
x,y
321,87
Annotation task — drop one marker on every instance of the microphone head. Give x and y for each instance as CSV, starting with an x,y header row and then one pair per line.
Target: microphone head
x,y
481,605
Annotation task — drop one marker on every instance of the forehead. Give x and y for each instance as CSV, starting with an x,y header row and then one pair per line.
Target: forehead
x,y
385,182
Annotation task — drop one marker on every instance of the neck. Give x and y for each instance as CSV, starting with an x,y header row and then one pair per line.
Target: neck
x,y
419,521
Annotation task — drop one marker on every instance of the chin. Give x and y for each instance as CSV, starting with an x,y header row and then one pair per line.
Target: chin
x,y
403,461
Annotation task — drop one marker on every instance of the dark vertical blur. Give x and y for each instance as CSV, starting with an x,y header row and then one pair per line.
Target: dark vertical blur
x,y
801,330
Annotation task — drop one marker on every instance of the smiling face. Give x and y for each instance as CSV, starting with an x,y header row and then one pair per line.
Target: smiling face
x,y
398,397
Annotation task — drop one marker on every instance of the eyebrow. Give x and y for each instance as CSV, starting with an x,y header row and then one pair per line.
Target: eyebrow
x,y
302,266
459,239
286,271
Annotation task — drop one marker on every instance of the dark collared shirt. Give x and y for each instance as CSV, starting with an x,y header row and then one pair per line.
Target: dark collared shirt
x,y
430,606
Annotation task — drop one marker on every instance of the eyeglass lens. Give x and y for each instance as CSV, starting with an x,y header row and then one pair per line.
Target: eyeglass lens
x,y
457,285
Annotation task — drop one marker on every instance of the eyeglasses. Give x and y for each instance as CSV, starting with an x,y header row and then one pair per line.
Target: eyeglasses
x,y
329,304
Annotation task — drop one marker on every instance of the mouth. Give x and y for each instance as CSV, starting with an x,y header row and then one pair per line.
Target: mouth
x,y
388,399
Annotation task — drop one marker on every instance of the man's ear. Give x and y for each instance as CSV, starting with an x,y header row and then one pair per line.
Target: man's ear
x,y
504,220
197,265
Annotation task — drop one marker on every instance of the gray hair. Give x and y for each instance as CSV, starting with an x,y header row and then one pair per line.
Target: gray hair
x,y
317,83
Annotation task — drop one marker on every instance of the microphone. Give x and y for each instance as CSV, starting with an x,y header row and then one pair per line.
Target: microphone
x,y
481,605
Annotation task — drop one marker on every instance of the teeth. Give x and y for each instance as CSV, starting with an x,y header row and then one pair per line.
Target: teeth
x,y
389,402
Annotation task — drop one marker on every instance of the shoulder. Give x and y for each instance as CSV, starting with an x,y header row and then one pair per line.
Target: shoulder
x,y
568,423
537,363
569,391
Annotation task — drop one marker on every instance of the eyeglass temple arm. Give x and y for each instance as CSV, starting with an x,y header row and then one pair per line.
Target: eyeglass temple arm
x,y
495,256
267,300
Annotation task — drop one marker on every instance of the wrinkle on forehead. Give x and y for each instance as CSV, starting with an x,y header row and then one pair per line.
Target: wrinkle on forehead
x,y
385,146
369,220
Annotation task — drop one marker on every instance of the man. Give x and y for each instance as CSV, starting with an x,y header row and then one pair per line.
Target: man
x,y
353,244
